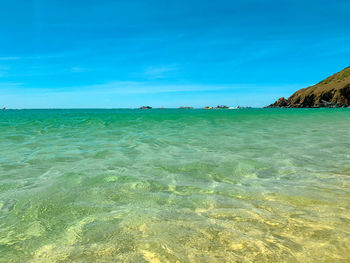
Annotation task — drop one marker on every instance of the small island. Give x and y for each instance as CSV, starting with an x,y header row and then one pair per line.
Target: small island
x,y
333,92
145,108
185,107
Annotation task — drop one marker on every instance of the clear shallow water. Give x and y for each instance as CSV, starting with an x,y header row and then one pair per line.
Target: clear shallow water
x,y
268,185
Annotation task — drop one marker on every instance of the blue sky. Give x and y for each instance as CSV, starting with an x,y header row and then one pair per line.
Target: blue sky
x,y
125,53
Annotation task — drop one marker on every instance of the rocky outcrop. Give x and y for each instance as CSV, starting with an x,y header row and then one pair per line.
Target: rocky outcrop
x,y
281,102
334,91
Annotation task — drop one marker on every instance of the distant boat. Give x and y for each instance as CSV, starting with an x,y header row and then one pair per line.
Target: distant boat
x,y
208,107
185,107
4,108
145,108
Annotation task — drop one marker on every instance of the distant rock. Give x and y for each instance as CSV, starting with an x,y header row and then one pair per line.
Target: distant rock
x,y
281,102
332,92
221,107
185,107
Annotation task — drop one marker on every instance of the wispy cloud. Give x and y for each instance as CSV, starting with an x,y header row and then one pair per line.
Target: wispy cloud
x,y
64,54
78,69
9,58
133,94
160,72
135,88
10,85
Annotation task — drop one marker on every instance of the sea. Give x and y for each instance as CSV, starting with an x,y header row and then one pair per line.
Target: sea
x,y
175,185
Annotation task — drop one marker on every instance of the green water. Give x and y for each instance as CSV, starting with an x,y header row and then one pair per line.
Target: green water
x,y
267,185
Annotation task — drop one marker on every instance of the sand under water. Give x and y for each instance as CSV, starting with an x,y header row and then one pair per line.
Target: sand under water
x,y
254,185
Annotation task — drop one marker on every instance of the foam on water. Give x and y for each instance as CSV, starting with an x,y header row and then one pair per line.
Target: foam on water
x,y
264,185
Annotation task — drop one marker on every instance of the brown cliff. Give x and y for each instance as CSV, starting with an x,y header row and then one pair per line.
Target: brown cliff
x,y
334,91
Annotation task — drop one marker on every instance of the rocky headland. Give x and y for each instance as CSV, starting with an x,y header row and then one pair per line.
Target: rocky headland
x,y
333,92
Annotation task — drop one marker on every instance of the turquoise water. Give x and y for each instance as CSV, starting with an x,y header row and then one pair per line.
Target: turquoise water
x,y
255,185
